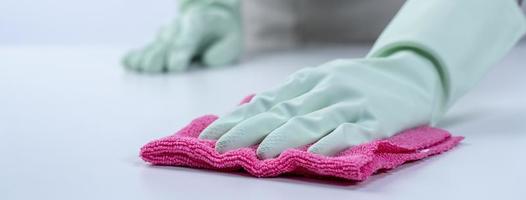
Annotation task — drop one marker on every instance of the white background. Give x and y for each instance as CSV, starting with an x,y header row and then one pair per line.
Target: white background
x,y
72,22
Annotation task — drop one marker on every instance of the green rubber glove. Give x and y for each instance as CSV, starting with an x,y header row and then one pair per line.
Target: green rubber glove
x,y
430,54
206,29
336,105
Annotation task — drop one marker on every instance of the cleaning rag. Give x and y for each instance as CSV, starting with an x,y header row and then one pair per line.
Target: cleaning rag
x,y
356,163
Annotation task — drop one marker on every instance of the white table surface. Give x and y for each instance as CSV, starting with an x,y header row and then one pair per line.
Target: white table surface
x,y
72,122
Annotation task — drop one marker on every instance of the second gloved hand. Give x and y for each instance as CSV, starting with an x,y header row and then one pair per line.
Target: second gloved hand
x,y
206,29
334,106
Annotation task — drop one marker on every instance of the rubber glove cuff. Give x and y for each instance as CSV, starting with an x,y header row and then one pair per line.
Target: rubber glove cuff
x,y
463,38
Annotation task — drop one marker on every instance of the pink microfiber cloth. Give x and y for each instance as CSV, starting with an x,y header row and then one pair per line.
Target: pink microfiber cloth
x,y
356,163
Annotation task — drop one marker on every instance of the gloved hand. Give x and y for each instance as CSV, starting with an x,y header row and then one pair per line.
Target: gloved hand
x,y
206,29
337,105
429,56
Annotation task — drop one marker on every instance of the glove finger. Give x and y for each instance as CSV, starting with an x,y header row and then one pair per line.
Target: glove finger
x,y
260,103
306,129
185,39
153,58
315,99
254,129
249,132
178,59
132,59
224,51
343,137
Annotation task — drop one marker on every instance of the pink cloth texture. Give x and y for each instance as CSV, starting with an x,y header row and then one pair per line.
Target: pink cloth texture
x,y
356,163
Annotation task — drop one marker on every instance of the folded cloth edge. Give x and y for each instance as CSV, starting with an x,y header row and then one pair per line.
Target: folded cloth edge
x,y
356,163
